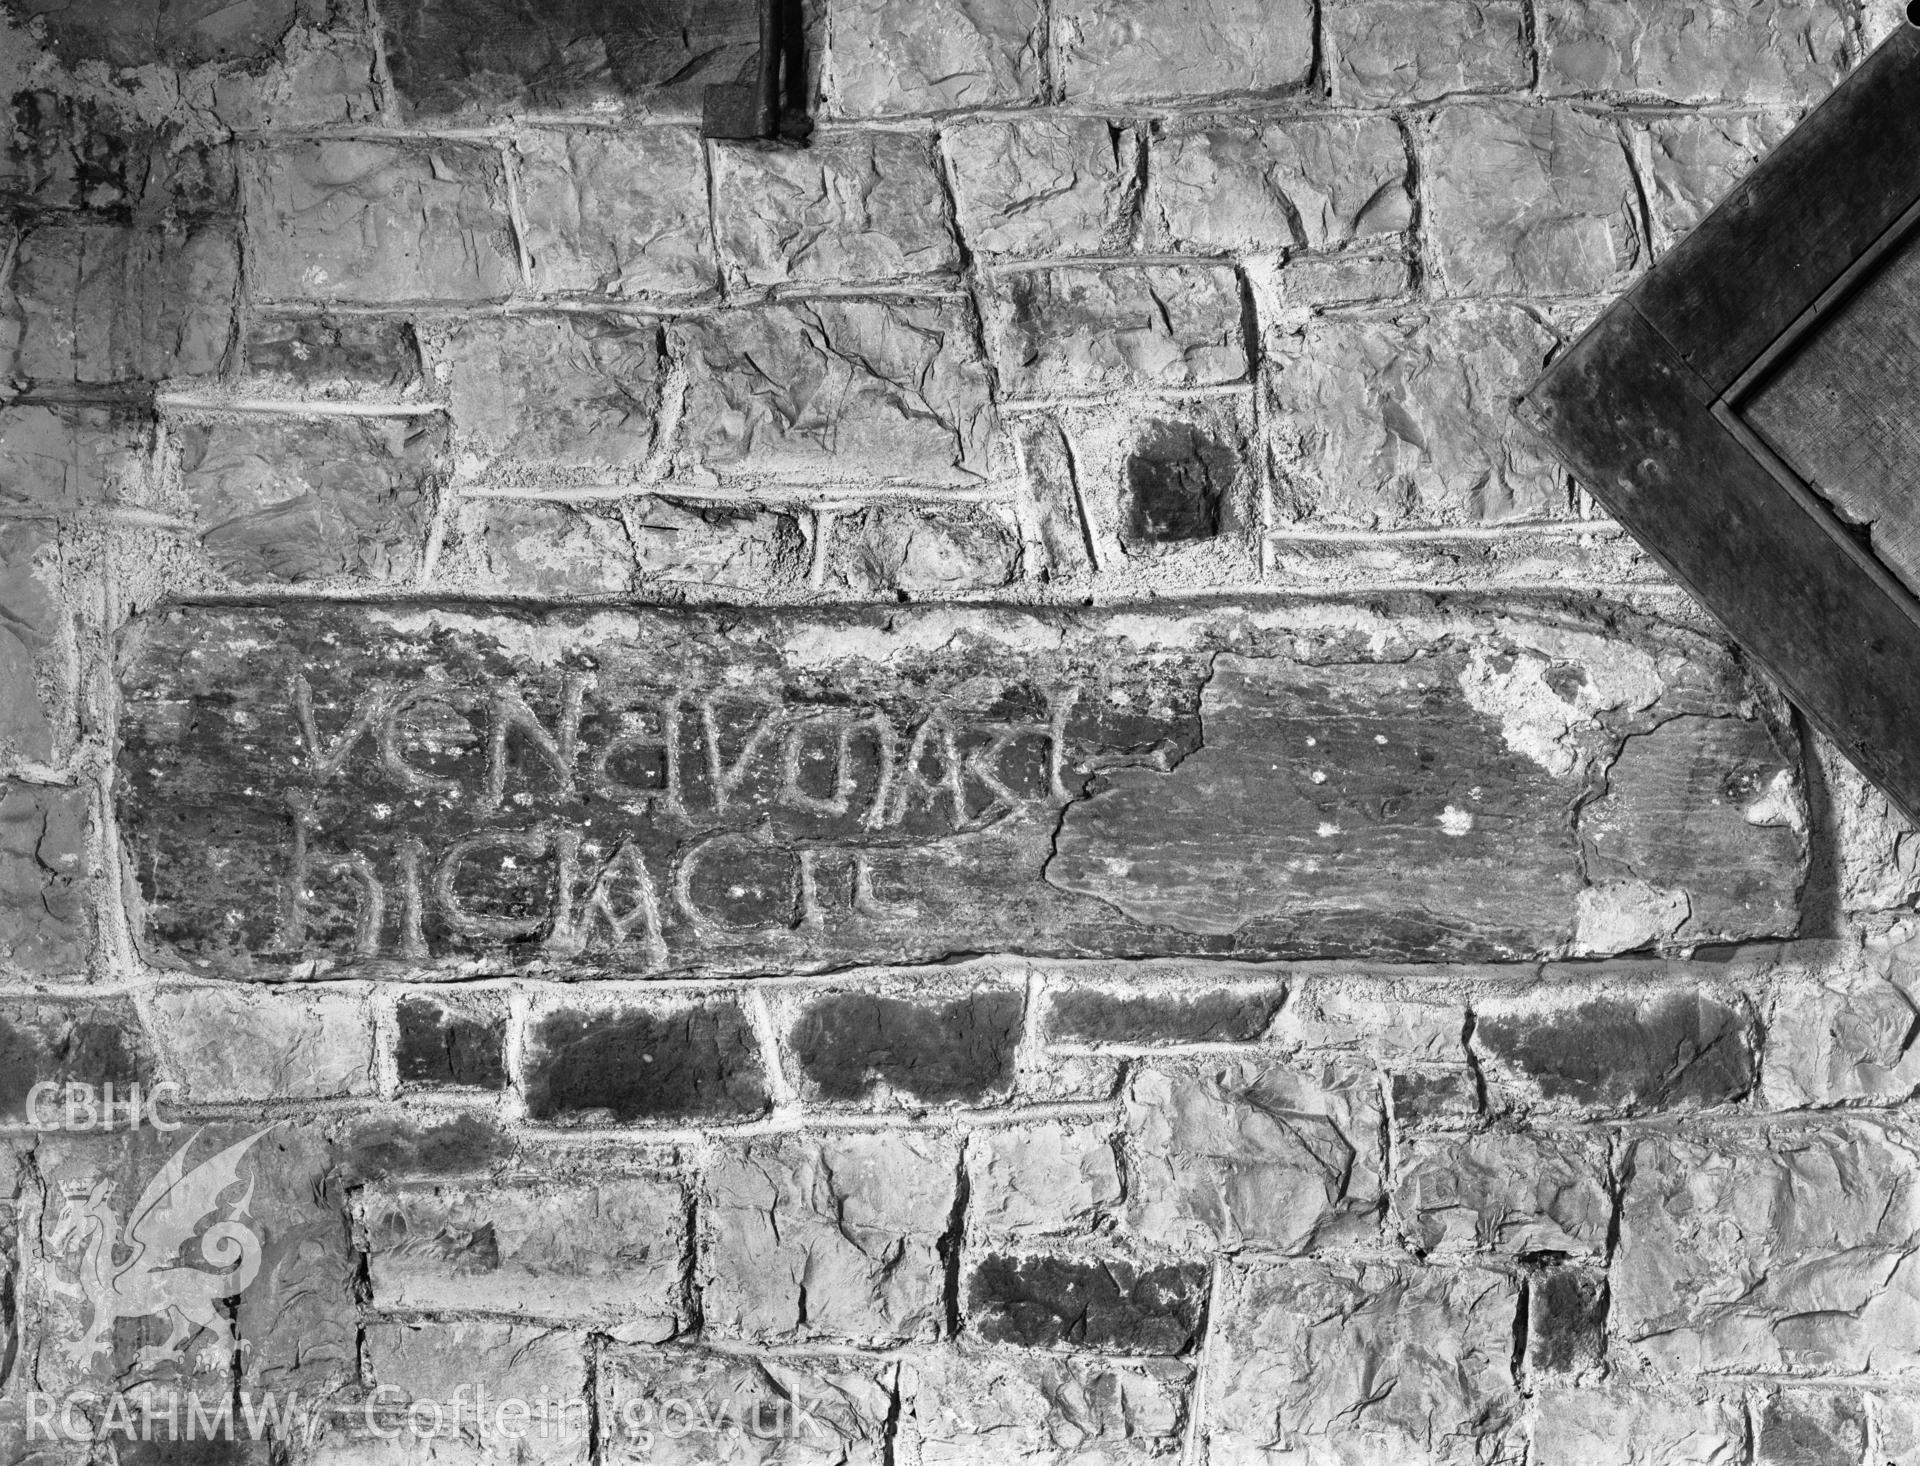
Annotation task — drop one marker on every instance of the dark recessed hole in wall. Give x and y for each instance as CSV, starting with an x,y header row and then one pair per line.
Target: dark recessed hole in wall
x,y
1179,484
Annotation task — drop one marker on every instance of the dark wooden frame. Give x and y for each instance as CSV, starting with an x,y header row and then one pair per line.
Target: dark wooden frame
x,y
1644,410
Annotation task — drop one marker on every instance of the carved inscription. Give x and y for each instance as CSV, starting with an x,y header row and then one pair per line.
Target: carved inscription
x,y
327,788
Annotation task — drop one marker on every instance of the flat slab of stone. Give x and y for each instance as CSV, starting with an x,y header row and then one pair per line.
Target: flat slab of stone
x,y
389,790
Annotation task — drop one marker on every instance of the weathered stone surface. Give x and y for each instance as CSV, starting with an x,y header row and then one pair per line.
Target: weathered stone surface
x,y
295,1311
1043,186
189,34
43,906
1637,1427
453,56
1505,1192
450,1041
1101,1015
466,1143
1386,422
1180,486
1695,161
849,207
104,303
976,1407
1388,51
1110,1304
686,551
669,1062
621,214
1242,1154
532,394
1082,330
1675,803
59,458
1787,1250
1566,1324
1035,1180
1270,780
959,1050
1748,51
369,222
294,501
545,1369
1842,1025
1306,182
1422,1096
914,553
1671,1047
686,1408
609,1251
894,56
836,1238
545,551
92,1045
1125,50
334,356
233,1043
847,389
1531,199
1803,1427
1364,1362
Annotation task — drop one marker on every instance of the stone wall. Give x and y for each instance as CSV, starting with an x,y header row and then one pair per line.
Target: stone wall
x,y
955,796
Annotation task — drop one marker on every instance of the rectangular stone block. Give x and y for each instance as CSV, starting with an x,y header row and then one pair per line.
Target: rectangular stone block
x,y
1130,50
980,1407
57,458
1746,51
227,1044
1244,1154
1034,1180
1693,162
37,644
398,789
374,222
1112,1305
481,1376
837,1239
686,1407
544,551
1300,182
1385,422
1386,51
92,1045
1364,1362
907,1050
1190,1013
455,57
334,356
1638,1427
924,552
908,390
1044,186
1090,330
333,499
100,303
1785,1250
44,923
1840,1024
667,1061
618,214
456,1041
539,400
687,551
609,1252
850,207
902,56
1660,1044
1527,199
1509,1193
70,152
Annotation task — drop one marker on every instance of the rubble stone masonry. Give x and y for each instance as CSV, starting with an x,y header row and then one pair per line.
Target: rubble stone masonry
x,y
963,784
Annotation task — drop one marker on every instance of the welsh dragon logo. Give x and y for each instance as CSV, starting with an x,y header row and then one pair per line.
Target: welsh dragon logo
x,y
141,1273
